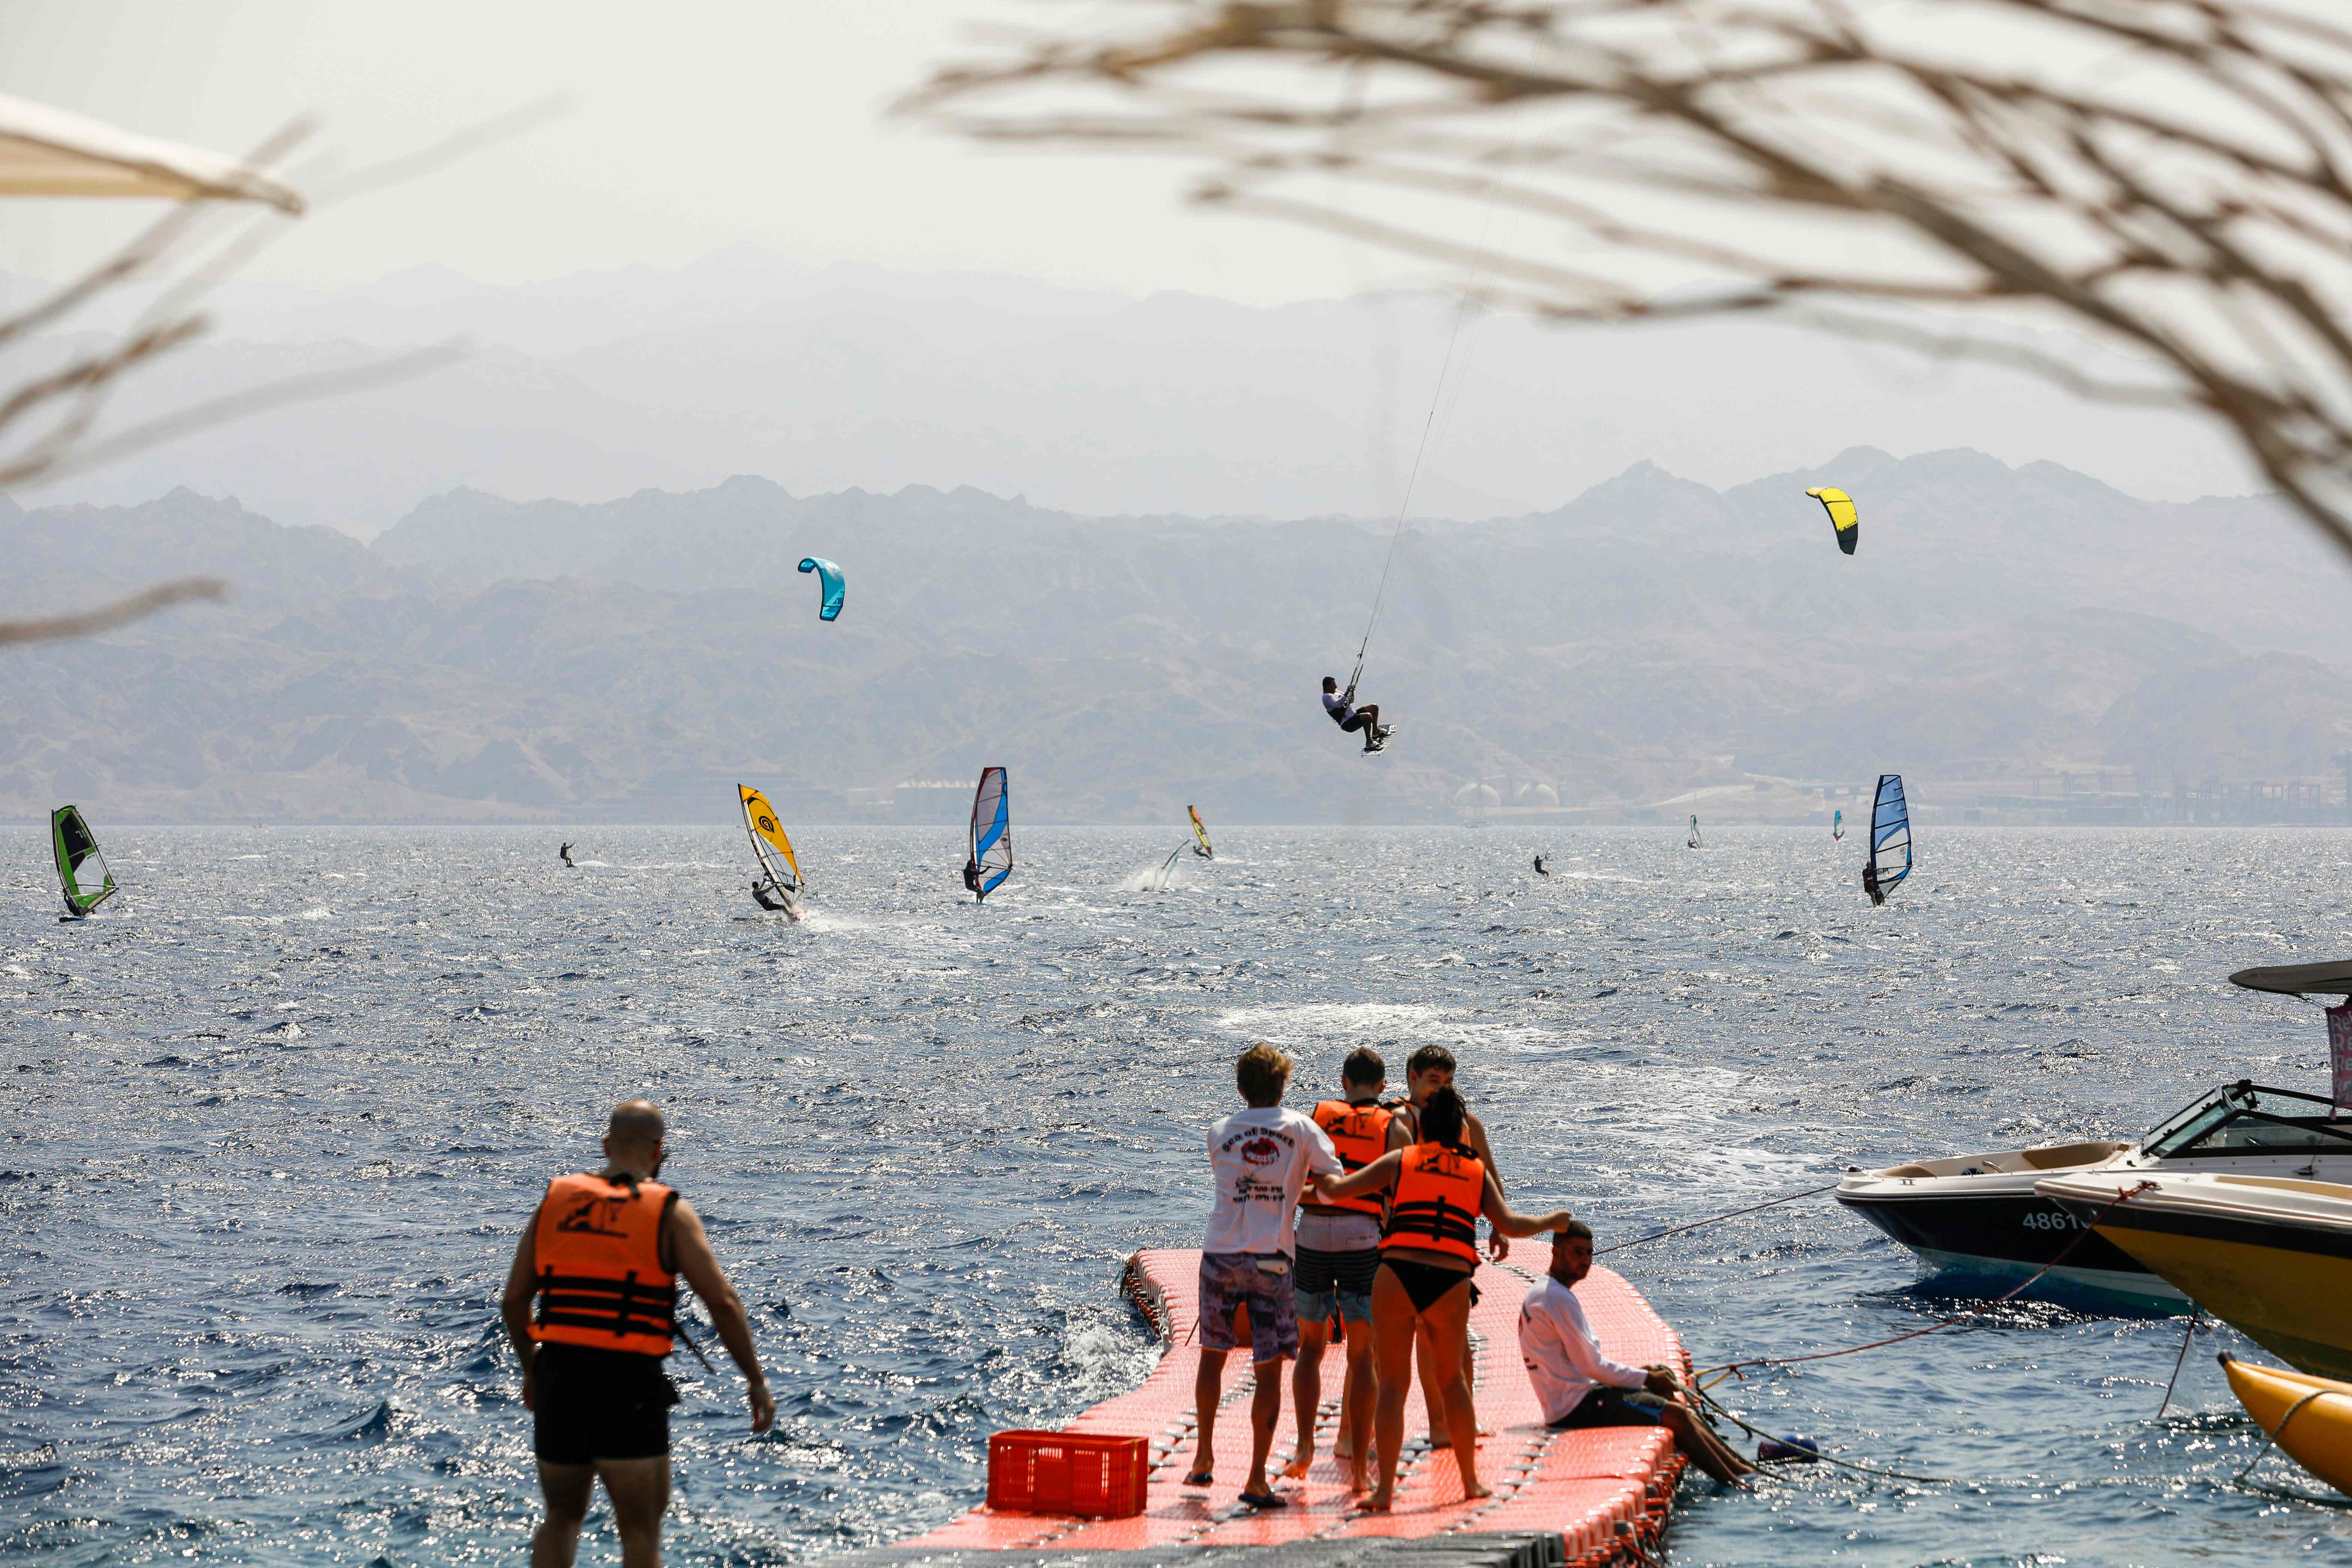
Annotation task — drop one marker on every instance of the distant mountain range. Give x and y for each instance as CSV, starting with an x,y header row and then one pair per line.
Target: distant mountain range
x,y
553,660
606,383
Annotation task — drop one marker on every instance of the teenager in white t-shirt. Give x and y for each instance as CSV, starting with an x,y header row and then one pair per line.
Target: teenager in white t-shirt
x,y
1260,1158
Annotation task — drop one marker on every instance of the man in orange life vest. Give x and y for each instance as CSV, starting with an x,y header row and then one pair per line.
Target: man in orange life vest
x,y
1339,1250
601,1256
1426,1072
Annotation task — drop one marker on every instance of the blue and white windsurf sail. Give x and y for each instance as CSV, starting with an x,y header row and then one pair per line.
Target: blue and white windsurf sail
x,y
1837,824
992,836
1890,840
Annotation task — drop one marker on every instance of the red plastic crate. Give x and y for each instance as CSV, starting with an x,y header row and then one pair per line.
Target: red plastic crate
x,y
1076,1473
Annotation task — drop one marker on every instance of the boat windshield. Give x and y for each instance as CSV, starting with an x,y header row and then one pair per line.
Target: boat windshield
x,y
2245,1119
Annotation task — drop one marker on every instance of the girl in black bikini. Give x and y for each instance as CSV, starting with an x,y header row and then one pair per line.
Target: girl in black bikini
x,y
1427,1255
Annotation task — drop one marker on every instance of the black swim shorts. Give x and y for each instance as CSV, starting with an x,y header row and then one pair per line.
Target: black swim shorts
x,y
1611,1407
599,1405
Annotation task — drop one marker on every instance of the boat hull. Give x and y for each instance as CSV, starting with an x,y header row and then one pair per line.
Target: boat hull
x,y
2316,1412
2281,1277
2007,1235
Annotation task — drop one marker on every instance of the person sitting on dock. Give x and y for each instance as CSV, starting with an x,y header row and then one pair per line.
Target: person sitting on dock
x,y
1339,1250
1261,1159
1431,1249
1426,1072
1577,1383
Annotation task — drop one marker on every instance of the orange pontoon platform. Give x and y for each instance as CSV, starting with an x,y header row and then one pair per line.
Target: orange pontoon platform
x,y
1578,1499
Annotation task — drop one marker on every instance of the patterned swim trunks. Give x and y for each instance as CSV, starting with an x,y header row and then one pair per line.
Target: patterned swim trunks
x,y
1260,1281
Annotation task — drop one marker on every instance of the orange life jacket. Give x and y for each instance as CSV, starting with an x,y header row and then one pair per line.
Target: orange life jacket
x,y
597,1252
1439,1191
1361,1134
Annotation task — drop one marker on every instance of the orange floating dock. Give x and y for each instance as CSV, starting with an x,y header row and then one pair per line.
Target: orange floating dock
x,y
1604,1493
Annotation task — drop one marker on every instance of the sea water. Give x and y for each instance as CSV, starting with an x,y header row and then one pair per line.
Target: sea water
x,y
279,1114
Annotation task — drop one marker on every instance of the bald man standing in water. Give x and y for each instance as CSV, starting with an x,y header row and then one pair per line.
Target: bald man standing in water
x,y
601,1258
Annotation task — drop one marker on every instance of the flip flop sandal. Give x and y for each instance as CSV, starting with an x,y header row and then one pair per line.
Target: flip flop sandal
x,y
1199,1479
1265,1501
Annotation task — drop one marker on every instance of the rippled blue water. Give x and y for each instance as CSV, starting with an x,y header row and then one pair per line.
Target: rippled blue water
x,y
279,1116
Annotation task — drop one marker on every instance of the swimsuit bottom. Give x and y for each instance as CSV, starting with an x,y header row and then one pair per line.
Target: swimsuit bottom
x,y
599,1405
1424,1283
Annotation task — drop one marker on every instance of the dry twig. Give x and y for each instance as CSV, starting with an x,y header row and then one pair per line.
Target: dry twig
x,y
106,617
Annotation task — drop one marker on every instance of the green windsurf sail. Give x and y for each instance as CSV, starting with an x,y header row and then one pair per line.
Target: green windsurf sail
x,y
82,875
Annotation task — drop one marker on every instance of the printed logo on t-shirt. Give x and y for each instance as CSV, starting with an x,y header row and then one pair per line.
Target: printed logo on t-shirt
x,y
1261,1150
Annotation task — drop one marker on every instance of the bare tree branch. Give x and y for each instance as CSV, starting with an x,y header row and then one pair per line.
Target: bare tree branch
x,y
2172,176
106,617
72,397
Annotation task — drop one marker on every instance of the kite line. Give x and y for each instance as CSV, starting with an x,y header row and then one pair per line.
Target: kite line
x,y
1437,397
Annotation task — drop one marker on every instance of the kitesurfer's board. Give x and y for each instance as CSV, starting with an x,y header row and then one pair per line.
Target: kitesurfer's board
x,y
82,875
1577,1485
992,835
780,884
1890,834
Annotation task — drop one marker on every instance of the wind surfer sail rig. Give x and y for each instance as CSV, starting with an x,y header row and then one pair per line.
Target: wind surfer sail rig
x,y
1200,832
1890,840
1837,826
82,875
992,836
780,884
1694,840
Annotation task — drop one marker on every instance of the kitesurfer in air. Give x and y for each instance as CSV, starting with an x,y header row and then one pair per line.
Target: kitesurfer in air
x,y
566,852
1340,706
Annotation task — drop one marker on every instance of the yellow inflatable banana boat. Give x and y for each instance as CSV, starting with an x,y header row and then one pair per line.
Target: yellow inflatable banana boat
x,y
2317,1414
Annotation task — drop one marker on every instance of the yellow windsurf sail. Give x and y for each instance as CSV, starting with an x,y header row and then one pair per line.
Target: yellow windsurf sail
x,y
1199,831
769,843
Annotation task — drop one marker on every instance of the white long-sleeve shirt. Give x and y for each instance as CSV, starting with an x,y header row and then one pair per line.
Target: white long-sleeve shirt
x,y
1562,1355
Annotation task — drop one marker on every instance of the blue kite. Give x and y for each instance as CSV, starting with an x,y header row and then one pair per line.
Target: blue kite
x,y
828,577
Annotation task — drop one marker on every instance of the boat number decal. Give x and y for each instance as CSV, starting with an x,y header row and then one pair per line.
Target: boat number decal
x,y
2054,1220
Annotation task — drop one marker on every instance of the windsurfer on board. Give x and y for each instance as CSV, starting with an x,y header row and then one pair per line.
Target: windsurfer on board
x,y
1870,883
1340,706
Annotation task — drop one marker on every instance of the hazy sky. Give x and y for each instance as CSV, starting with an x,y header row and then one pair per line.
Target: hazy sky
x,y
692,126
